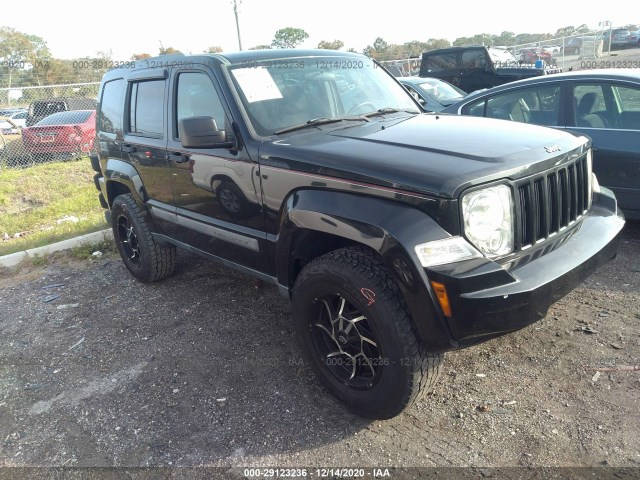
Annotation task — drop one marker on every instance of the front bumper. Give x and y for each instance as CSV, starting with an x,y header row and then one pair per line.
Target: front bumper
x,y
488,299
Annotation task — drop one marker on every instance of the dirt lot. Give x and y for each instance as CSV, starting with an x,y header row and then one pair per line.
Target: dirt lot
x,y
202,369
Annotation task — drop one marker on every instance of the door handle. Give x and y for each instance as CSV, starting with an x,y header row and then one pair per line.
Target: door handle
x,y
177,157
128,148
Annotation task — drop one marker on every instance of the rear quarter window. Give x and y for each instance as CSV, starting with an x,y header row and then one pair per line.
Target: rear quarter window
x,y
111,107
442,63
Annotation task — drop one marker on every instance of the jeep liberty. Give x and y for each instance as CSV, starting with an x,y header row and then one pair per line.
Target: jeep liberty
x,y
397,235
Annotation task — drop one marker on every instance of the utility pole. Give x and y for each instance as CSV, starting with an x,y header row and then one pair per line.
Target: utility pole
x,y
235,11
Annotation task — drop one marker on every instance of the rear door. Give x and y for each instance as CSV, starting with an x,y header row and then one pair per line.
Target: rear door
x,y
145,140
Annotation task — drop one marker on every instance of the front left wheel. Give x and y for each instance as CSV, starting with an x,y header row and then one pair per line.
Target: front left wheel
x,y
357,335
146,259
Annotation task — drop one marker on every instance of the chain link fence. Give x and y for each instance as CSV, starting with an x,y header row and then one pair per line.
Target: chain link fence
x,y
561,52
46,123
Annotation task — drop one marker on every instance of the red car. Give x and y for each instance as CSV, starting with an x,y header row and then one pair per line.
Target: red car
x,y
61,134
530,55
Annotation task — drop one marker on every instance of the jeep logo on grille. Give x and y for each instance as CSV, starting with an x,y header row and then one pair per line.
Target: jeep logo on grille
x,y
553,148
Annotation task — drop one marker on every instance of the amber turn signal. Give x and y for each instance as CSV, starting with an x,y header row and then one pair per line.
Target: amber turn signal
x,y
443,299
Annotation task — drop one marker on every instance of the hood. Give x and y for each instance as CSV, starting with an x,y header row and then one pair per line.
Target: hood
x,y
433,154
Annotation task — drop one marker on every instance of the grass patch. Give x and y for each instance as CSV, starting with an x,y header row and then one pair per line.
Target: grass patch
x,y
38,260
86,250
33,200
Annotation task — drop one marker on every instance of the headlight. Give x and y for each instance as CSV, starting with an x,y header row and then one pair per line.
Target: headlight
x,y
488,220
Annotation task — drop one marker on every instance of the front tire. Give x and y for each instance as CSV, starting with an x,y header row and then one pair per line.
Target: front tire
x,y
145,258
357,335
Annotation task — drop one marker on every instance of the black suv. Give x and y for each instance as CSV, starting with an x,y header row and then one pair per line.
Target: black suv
x,y
397,235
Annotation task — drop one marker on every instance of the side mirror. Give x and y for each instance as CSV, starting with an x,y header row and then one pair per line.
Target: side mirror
x,y
202,132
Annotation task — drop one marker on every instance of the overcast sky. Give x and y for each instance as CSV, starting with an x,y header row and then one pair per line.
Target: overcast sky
x,y
74,28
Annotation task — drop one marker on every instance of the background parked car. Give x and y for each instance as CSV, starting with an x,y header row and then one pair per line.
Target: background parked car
x,y
574,45
11,148
531,55
5,112
601,104
432,93
620,38
40,109
8,126
19,117
61,134
552,48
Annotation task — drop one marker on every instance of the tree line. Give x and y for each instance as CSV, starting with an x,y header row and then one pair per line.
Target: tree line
x,y
25,60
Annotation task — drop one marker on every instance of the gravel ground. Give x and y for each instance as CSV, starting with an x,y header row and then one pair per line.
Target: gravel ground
x,y
202,370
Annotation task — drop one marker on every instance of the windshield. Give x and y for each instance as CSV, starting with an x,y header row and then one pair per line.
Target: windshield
x,y
441,91
283,93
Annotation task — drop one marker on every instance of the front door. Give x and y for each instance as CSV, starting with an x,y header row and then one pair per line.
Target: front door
x,y
216,191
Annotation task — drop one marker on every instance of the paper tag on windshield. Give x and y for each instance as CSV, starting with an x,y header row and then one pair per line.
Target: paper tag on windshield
x,y
257,84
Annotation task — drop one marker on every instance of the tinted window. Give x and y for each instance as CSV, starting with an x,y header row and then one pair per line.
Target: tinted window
x,y
474,59
111,106
629,101
66,118
590,106
629,98
441,63
476,108
537,105
197,97
146,108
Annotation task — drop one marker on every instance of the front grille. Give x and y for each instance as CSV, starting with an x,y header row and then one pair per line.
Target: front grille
x,y
551,201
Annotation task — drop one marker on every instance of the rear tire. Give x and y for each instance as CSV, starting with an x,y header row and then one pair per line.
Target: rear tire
x,y
146,259
357,335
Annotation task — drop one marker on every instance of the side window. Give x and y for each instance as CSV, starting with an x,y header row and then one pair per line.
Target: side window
x,y
629,100
537,105
441,63
146,107
197,97
590,107
476,108
501,106
111,106
473,59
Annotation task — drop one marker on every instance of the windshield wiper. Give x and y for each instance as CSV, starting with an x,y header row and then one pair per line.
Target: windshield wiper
x,y
352,118
309,123
385,110
325,120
